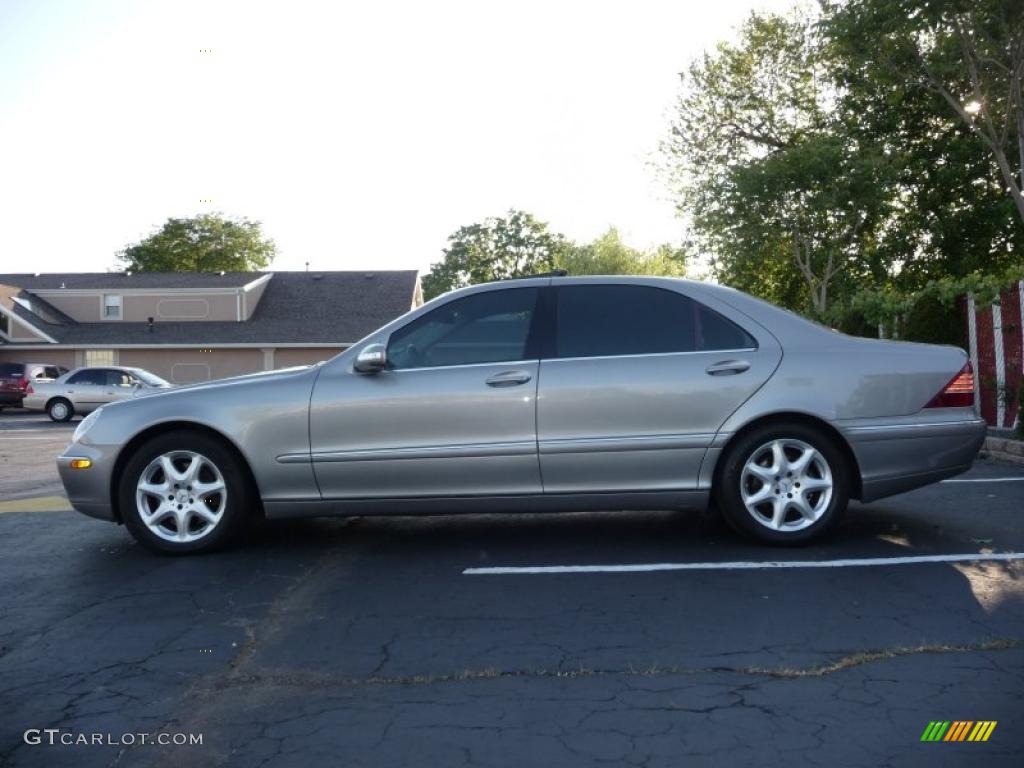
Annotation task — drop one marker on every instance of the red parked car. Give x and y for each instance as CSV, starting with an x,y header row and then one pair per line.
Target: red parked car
x,y
15,378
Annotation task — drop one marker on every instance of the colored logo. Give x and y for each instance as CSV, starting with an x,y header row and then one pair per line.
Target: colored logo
x,y
959,730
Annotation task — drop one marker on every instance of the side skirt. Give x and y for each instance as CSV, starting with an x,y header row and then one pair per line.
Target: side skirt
x,y
570,502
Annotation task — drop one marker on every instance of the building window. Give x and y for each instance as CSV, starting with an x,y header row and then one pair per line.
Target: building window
x,y
5,325
111,307
95,357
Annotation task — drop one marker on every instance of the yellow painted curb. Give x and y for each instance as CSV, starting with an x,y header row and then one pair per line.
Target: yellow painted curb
x,y
36,504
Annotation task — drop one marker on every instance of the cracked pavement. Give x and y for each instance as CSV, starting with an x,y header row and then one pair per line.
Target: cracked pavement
x,y
360,643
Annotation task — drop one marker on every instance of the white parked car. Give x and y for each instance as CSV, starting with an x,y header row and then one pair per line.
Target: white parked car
x,y
86,389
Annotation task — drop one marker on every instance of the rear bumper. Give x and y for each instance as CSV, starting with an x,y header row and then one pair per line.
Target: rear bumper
x,y
899,456
11,398
34,402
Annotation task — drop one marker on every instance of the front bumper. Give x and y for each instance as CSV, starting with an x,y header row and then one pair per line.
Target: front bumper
x,y
900,455
89,490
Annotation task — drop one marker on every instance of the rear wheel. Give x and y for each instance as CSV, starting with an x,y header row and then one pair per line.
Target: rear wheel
x,y
184,492
783,484
60,409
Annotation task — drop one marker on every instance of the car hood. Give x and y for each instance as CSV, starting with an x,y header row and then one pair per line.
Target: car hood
x,y
189,391
235,380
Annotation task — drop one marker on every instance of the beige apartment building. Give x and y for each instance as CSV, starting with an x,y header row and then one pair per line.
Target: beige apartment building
x,y
188,327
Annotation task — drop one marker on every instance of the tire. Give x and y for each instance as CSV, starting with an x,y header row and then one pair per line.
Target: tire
x,y
179,503
60,410
751,505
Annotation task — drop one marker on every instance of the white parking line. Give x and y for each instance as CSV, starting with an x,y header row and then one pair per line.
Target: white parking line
x,y
745,565
986,480
4,439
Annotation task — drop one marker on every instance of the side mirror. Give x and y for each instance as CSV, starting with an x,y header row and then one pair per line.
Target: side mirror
x,y
371,359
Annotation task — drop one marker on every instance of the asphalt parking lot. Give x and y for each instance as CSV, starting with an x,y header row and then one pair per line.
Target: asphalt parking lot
x,y
381,642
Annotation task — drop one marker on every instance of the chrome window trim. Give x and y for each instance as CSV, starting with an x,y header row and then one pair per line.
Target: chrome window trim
x,y
653,354
460,365
564,359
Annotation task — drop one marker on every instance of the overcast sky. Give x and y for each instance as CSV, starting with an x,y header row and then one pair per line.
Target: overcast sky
x,y
360,134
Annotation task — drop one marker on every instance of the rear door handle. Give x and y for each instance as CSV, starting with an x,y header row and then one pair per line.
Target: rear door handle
x,y
727,368
508,379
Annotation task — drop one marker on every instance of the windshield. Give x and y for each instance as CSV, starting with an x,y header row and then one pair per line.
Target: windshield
x,y
149,378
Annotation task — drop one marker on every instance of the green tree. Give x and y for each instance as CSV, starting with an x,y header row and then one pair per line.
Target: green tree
x,y
925,84
206,243
765,171
964,58
494,249
608,255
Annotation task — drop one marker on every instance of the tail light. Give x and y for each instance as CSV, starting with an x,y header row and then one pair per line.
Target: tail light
x,y
958,393
29,390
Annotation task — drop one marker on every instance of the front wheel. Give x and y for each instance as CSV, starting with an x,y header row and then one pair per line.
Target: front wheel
x,y
783,484
184,492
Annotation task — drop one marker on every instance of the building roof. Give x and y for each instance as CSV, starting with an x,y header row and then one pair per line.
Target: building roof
x,y
123,281
296,308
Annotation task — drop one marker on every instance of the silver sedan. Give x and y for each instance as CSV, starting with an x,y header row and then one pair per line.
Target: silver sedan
x,y
85,389
543,394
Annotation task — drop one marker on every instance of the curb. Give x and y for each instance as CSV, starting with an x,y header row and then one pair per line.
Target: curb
x,y
1003,449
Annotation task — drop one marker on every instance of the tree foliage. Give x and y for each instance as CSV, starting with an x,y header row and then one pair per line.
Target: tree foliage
x,y
609,255
494,249
206,243
766,171
849,160
966,55
519,244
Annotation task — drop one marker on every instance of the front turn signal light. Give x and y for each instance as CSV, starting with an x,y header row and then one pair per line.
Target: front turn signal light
x,y
81,463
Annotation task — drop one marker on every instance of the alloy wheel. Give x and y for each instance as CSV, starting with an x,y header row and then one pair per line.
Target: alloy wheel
x,y
181,496
786,485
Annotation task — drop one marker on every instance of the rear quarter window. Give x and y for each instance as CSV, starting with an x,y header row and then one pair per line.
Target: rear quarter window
x,y
717,332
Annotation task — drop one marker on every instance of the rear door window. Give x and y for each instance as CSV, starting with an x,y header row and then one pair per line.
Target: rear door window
x,y
93,376
611,320
616,320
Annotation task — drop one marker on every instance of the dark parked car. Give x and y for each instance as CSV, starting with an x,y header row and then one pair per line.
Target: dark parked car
x,y
15,378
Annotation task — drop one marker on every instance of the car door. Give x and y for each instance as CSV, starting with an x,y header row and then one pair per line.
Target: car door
x,y
452,414
85,389
636,384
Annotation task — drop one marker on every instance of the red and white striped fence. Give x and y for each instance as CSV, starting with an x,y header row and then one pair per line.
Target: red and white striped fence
x,y
995,335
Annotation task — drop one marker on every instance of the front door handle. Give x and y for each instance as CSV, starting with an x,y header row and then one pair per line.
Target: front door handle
x,y
727,368
508,379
